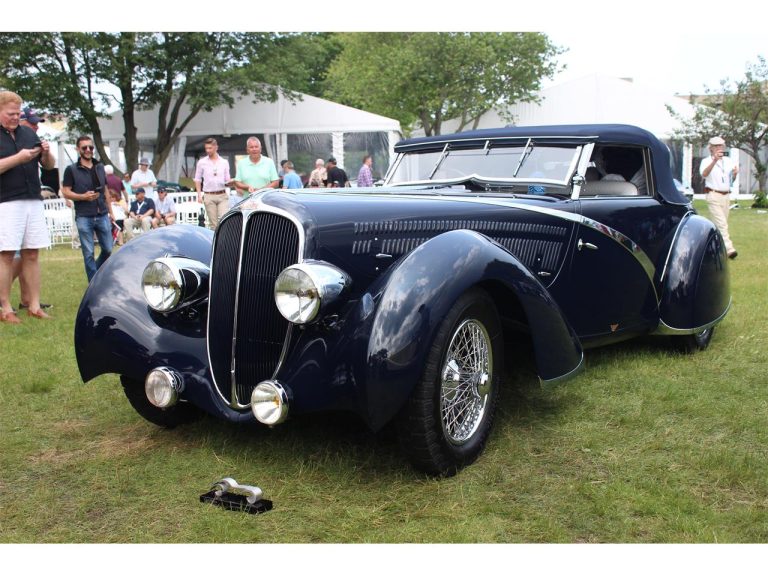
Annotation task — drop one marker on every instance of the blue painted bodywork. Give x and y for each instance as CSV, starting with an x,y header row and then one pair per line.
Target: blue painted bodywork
x,y
651,266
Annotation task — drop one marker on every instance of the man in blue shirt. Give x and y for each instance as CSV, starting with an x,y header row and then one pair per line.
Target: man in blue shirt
x,y
140,215
290,178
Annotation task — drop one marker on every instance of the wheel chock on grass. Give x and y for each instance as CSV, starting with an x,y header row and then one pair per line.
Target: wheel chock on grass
x,y
230,495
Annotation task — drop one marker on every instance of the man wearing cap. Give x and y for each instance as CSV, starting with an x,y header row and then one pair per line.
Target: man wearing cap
x,y
211,178
144,178
719,172
21,207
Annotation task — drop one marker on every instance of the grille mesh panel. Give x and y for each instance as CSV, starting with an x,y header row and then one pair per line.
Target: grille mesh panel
x,y
270,244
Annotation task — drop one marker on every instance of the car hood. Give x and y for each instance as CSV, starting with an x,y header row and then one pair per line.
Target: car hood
x,y
365,231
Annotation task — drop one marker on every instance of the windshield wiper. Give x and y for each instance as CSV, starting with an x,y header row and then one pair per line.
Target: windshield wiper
x,y
439,160
523,156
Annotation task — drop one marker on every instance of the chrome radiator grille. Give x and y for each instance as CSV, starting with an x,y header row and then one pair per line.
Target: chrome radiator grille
x,y
242,315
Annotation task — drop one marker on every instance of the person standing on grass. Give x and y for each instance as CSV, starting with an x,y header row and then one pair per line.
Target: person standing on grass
x,y
144,178
21,206
31,120
256,171
365,176
211,178
719,172
85,183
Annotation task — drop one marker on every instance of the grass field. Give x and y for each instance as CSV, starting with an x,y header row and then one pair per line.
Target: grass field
x,y
644,446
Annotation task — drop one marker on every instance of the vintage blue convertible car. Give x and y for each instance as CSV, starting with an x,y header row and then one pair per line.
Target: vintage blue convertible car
x,y
392,302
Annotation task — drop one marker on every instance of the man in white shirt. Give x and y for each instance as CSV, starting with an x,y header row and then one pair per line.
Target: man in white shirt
x,y
144,178
165,210
719,172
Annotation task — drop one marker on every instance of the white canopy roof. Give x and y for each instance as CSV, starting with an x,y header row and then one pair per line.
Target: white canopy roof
x,y
595,99
305,116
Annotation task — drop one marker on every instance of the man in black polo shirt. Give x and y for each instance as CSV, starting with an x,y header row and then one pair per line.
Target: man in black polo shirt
x,y
337,177
22,219
85,183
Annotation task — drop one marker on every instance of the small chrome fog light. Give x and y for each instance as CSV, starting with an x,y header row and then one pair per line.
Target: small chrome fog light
x,y
163,387
269,402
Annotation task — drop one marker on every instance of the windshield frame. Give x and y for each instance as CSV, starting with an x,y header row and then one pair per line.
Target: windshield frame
x,y
442,149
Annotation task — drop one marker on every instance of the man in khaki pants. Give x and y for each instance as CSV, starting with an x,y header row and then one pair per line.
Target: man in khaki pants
x,y
211,177
718,172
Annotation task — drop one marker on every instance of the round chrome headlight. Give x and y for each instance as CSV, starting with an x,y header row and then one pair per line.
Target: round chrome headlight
x,y
269,402
162,284
303,289
296,295
162,387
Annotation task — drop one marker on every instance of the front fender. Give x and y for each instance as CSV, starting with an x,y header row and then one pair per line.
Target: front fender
x,y
695,283
117,332
418,292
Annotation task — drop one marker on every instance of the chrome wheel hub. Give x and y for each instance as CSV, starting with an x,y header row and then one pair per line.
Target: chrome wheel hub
x,y
466,381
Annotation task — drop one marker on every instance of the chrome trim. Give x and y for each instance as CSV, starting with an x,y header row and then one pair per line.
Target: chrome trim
x,y
664,329
581,169
248,207
399,147
252,493
626,242
683,220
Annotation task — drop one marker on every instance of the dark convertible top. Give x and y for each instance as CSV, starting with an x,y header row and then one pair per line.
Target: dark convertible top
x,y
569,133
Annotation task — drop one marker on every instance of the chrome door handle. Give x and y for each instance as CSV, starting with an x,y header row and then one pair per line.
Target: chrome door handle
x,y
583,244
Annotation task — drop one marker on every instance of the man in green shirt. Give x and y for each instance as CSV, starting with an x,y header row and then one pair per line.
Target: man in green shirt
x,y
256,171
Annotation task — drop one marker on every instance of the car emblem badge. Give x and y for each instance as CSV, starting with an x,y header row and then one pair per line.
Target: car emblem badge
x,y
614,327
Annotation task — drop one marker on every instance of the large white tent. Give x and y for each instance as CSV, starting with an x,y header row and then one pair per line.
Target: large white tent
x,y
308,127
601,99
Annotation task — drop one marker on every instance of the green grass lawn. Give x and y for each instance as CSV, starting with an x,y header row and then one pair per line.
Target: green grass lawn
x,y
644,446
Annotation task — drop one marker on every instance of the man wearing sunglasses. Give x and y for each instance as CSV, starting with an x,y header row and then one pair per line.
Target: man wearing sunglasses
x,y
85,183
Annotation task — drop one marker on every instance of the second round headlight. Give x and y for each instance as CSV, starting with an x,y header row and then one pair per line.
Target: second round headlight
x,y
296,295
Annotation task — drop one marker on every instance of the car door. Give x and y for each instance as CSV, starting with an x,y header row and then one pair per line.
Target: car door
x,y
611,291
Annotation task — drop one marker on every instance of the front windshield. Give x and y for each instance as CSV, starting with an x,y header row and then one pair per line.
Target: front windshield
x,y
553,164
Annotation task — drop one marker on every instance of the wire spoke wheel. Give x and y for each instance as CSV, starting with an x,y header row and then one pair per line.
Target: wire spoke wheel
x,y
467,376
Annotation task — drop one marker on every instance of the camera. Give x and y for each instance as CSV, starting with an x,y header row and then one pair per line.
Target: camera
x,y
726,152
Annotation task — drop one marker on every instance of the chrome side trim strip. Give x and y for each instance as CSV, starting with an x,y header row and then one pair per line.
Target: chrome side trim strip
x,y
683,220
664,329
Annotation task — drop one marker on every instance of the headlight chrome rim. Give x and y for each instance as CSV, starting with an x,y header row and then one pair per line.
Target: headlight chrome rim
x,y
269,402
162,284
172,282
304,290
163,387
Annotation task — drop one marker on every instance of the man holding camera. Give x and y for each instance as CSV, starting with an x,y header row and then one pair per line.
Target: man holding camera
x,y
719,172
85,183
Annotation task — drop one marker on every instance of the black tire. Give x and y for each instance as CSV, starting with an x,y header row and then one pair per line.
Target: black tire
x,y
181,413
446,421
690,343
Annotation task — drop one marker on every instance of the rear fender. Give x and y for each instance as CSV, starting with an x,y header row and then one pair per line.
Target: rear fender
x,y
418,292
695,283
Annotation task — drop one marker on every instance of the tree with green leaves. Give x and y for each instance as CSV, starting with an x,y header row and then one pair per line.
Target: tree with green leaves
x,y
738,112
85,75
428,77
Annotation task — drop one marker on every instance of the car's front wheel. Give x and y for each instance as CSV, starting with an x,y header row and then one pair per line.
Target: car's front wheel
x,y
447,420
181,413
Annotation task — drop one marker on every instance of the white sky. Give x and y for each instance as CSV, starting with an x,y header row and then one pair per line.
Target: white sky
x,y
680,46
